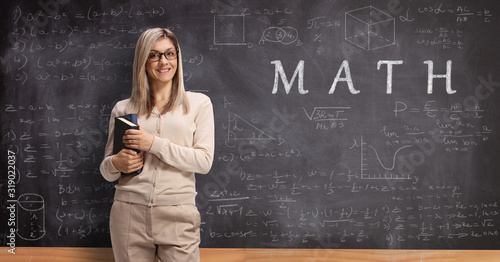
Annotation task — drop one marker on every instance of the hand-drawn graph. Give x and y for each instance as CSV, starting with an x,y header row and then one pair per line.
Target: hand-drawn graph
x,y
240,129
369,28
373,166
229,30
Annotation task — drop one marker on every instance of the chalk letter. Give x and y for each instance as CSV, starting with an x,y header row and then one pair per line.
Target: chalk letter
x,y
431,76
389,64
347,78
278,70
51,7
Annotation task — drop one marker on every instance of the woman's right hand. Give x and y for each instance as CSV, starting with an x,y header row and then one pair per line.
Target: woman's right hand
x,y
128,161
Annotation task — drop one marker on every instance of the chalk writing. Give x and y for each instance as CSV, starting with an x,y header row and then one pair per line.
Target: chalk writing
x,y
338,125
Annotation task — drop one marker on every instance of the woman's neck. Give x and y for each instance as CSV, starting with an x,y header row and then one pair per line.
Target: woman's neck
x,y
161,94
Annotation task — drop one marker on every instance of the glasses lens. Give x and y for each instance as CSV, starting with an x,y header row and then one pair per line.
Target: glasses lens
x,y
153,57
171,55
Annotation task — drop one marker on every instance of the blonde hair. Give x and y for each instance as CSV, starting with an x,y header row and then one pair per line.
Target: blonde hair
x,y
141,100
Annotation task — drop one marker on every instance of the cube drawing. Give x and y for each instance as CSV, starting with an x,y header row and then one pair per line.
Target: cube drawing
x,y
369,28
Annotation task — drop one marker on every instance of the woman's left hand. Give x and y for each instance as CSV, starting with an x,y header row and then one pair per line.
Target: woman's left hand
x,y
138,139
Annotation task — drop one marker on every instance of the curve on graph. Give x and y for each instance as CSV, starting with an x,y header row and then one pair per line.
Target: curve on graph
x,y
393,159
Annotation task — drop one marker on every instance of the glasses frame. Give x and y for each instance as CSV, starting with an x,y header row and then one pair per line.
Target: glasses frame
x,y
163,54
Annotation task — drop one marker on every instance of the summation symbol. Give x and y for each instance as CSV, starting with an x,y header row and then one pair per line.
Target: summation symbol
x,y
373,167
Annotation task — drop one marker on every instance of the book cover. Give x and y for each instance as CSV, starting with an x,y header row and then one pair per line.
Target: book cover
x,y
122,124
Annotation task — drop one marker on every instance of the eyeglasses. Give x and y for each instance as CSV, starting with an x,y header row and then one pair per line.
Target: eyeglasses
x,y
169,55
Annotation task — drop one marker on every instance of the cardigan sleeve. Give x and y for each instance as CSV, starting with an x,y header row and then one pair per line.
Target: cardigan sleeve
x,y
199,157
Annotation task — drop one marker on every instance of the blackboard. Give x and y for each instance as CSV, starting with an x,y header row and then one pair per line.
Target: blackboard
x,y
339,124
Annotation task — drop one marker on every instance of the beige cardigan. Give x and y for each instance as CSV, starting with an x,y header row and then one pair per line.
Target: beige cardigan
x,y
183,145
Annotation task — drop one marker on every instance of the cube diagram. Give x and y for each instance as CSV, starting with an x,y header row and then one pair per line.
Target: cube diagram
x,y
369,28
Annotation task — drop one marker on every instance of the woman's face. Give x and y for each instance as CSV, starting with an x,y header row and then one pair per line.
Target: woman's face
x,y
162,72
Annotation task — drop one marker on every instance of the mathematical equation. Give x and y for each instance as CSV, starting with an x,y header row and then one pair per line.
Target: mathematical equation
x,y
462,13
395,223
442,36
92,13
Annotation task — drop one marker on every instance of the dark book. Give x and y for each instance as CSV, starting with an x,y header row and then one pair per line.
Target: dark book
x,y
122,124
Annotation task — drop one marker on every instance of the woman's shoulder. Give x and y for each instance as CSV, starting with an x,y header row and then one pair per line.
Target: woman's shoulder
x,y
197,98
121,105
196,95
198,102
123,102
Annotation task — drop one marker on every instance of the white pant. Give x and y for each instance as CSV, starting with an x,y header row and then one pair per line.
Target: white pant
x,y
142,233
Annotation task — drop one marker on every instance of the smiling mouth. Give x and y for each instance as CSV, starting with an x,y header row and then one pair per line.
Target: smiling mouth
x,y
163,70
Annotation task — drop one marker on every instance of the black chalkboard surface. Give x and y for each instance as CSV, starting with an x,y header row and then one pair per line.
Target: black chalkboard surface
x,y
339,124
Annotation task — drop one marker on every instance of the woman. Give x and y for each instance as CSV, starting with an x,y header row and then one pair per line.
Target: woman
x,y
154,212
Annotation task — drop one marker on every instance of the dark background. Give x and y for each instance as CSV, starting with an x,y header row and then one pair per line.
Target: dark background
x,y
405,170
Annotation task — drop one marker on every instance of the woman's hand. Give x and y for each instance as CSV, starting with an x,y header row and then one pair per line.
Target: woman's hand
x,y
128,160
138,139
